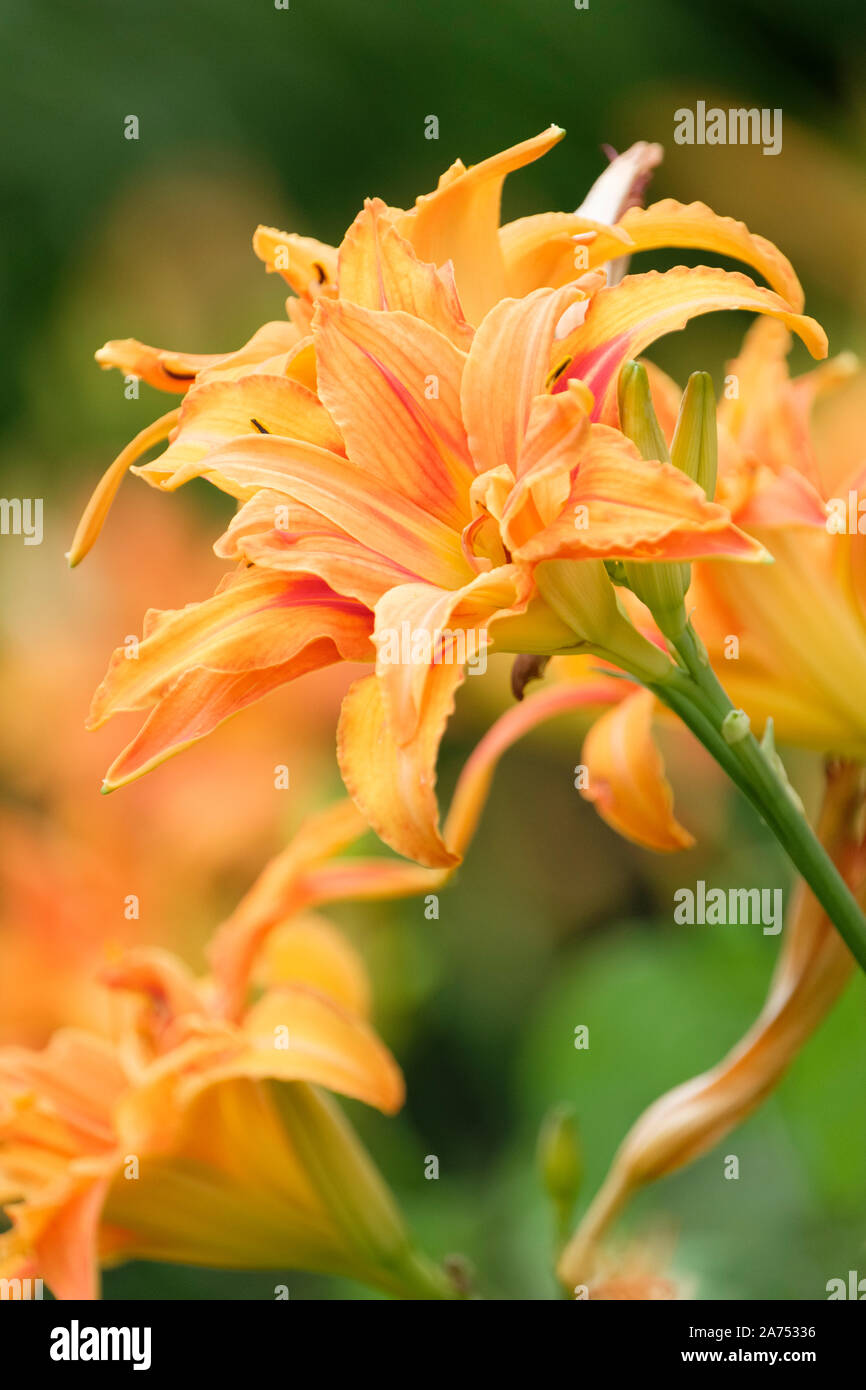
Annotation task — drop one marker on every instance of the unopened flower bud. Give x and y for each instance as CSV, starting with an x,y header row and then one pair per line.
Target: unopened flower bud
x,y
694,448
560,1159
661,585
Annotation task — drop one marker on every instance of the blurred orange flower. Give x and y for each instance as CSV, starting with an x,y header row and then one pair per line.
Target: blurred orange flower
x,y
84,875
164,1140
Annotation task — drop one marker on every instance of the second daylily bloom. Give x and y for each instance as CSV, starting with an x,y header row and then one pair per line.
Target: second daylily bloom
x,y
799,664
199,1133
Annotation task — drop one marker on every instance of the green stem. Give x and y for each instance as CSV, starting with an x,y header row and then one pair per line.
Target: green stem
x,y
694,693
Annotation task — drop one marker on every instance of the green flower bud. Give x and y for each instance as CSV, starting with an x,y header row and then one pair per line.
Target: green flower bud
x,y
694,449
560,1159
661,585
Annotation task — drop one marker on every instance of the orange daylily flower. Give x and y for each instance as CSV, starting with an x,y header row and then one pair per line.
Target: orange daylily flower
x,y
167,1141
420,462
801,663
179,1086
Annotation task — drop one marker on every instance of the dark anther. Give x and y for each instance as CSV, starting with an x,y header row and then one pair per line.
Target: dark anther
x,y
526,668
257,425
321,273
554,375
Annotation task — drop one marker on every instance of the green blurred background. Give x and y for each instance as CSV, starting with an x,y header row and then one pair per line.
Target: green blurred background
x,y
251,114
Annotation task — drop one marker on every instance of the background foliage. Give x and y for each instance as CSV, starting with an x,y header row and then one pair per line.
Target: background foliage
x,y
250,114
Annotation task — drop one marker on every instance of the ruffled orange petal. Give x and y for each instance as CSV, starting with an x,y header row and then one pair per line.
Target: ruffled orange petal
x,y
694,225
459,222
367,509
298,1034
622,321
394,784
627,784
254,621
783,499
217,411
312,951
507,367
304,874
201,700
392,384
296,539
378,269
419,628
66,1249
618,505
770,415
159,367
177,371
309,266
552,248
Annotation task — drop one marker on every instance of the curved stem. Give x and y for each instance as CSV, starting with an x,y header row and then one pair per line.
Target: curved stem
x,y
694,693
685,1123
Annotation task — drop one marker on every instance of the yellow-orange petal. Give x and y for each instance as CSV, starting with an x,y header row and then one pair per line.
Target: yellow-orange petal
x,y
694,225
296,539
159,367
363,507
66,1250
627,783
311,951
306,873
201,700
620,505
552,248
379,269
395,784
459,222
507,367
215,412
622,321
298,1034
309,266
254,621
97,509
391,383
420,627
272,348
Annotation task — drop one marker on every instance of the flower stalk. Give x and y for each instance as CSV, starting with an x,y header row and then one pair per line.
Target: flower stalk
x,y
813,969
690,688
697,696
357,1197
